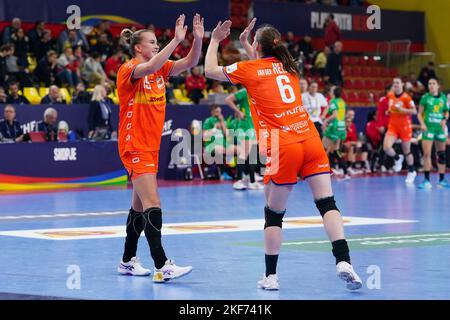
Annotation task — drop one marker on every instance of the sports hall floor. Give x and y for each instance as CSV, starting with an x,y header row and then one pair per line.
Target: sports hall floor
x,y
68,244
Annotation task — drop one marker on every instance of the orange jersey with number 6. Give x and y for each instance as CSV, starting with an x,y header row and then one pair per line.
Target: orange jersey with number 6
x,y
275,100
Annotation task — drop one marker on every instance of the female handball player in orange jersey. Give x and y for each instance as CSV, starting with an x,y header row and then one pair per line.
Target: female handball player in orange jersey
x,y
141,85
293,144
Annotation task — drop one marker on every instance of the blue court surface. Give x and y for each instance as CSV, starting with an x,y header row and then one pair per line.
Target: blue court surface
x,y
68,244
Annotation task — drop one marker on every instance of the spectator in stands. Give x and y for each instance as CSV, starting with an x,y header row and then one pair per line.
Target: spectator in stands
x,y
113,64
92,70
79,56
101,28
109,90
195,85
22,47
80,95
182,50
316,105
44,45
14,70
427,72
292,45
230,54
321,61
10,30
217,87
10,129
332,31
383,109
3,95
103,46
14,97
72,38
303,85
69,69
54,96
305,46
48,126
414,87
374,136
165,38
99,118
47,69
4,49
35,34
333,70
353,146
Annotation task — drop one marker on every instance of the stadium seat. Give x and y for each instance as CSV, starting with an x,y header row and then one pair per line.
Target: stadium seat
x,y
354,60
358,85
368,84
351,97
345,60
356,71
362,61
393,72
43,91
363,98
66,95
375,72
385,72
378,85
32,95
348,84
180,97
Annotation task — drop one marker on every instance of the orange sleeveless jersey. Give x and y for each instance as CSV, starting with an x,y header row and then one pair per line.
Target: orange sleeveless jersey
x,y
142,108
275,99
404,100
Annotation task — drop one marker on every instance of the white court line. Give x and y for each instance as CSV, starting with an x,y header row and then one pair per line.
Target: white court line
x,y
200,227
64,215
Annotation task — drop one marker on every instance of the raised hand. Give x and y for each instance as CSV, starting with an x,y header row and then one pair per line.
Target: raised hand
x,y
243,38
197,27
221,31
180,28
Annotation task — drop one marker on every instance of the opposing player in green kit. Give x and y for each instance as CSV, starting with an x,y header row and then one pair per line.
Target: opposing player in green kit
x,y
433,115
246,141
336,131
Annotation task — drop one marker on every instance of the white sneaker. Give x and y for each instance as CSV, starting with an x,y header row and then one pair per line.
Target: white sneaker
x,y
239,185
133,268
258,178
170,271
345,178
344,271
410,177
255,186
245,178
399,163
354,172
383,169
337,172
269,283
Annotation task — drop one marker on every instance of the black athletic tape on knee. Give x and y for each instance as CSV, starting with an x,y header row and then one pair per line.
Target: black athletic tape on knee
x,y
442,157
153,220
326,204
273,218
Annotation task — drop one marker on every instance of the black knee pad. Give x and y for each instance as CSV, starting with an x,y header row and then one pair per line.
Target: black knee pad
x,y
273,218
153,221
442,157
326,204
365,147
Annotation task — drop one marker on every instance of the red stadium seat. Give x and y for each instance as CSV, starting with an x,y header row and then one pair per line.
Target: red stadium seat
x,y
347,70
363,98
345,60
354,60
393,72
362,61
368,84
358,85
375,71
352,97
385,72
356,71
348,84
378,85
